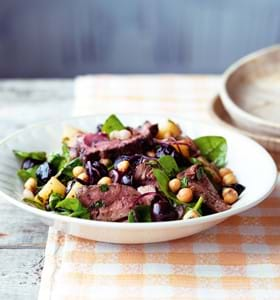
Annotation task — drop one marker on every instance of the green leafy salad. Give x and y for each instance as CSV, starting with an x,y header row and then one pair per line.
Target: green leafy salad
x,y
151,173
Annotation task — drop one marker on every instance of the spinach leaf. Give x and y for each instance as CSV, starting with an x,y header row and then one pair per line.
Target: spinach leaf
x,y
194,160
57,161
65,174
141,213
72,207
163,180
169,169
54,199
169,165
69,203
40,156
131,217
28,173
34,202
82,214
112,123
214,148
65,152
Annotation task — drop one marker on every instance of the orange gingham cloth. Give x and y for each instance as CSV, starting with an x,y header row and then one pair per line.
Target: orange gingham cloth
x,y
238,259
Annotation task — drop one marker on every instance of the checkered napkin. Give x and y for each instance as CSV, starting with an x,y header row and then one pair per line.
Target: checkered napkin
x,y
238,259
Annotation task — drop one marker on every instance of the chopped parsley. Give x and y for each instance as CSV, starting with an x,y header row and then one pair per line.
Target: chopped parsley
x,y
104,188
99,204
199,173
184,182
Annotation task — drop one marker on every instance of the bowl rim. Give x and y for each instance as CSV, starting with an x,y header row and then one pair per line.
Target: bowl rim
x,y
230,126
140,226
230,104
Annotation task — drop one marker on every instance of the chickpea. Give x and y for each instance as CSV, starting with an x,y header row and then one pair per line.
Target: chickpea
x,y
230,195
27,194
174,185
78,170
31,184
229,179
124,134
123,166
83,177
191,214
114,134
105,161
105,180
224,171
185,195
151,153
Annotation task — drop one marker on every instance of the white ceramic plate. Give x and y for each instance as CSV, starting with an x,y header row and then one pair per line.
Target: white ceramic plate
x,y
251,163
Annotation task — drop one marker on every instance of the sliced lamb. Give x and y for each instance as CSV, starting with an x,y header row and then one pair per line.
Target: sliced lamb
x,y
143,175
109,205
202,186
140,140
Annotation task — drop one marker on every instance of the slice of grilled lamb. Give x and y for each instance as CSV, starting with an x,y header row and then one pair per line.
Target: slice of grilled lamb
x,y
202,186
111,204
140,140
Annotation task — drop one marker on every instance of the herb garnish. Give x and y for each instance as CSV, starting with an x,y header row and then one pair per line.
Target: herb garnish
x,y
184,182
99,204
104,188
199,173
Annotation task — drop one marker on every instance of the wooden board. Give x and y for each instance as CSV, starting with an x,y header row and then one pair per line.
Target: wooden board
x,y
250,92
220,115
23,237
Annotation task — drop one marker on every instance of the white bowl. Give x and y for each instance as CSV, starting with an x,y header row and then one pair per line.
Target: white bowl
x,y
251,163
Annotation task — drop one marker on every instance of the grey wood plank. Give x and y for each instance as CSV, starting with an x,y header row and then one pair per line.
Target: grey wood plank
x,y
23,102
19,229
20,273
22,236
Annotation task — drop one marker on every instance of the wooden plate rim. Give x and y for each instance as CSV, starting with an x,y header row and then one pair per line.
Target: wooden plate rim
x,y
230,104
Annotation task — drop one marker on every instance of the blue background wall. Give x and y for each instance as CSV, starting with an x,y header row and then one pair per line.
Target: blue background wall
x,y
63,38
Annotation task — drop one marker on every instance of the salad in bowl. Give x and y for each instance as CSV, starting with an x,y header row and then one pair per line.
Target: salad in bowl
x,y
150,173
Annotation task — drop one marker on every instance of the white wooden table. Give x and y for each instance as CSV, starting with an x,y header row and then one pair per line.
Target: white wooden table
x,y
22,237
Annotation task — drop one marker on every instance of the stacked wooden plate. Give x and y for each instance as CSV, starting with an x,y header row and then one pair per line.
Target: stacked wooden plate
x,y
249,98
